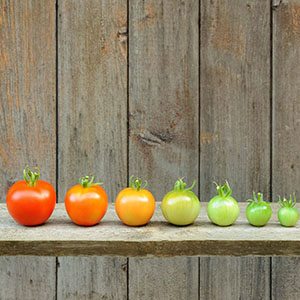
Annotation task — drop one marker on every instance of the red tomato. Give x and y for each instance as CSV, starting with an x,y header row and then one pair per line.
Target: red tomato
x,y
86,203
31,201
135,205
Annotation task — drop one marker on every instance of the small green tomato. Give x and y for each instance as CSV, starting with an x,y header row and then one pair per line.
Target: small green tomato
x,y
223,210
288,214
258,211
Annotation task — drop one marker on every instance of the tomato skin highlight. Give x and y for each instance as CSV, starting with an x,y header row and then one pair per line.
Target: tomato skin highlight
x,y
181,206
223,210
135,208
31,206
86,206
258,212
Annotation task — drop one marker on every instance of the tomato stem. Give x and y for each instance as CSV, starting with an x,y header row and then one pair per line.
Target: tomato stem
x,y
224,190
31,177
137,183
180,185
88,181
284,202
257,198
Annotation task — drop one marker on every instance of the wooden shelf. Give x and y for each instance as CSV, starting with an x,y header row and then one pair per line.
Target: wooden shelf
x,y
60,237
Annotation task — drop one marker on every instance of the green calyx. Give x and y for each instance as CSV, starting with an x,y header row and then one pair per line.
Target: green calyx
x,y
137,183
284,202
88,181
259,198
224,190
180,185
31,177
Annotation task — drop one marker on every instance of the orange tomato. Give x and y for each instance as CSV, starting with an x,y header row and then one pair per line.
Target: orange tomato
x,y
135,205
31,201
86,203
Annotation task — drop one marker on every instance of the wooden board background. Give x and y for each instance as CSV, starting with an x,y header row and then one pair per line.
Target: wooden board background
x,y
204,89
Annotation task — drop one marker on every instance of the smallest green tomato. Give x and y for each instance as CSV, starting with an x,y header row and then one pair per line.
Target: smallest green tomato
x,y
288,214
258,211
180,206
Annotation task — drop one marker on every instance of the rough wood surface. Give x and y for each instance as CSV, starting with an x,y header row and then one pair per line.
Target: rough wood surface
x,y
61,237
286,130
235,280
163,120
91,278
235,125
27,278
92,106
163,279
92,76
27,125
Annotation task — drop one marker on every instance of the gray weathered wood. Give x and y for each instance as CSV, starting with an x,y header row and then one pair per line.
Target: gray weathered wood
x,y
286,130
92,75
102,277
27,125
163,122
27,278
163,279
233,278
234,125
92,93
61,237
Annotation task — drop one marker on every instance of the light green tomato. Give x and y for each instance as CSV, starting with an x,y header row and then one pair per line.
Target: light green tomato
x,y
288,216
223,212
180,206
258,211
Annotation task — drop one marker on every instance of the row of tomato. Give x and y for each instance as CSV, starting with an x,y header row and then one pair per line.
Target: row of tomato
x,y
31,202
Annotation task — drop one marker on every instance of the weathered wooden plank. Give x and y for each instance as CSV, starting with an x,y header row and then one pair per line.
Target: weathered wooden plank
x,y
27,125
167,278
163,123
27,278
92,93
101,277
92,55
233,278
286,129
61,237
234,125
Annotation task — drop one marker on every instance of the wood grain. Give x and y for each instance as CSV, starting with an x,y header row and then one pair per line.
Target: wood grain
x,y
102,277
152,279
286,129
234,126
92,75
27,125
92,93
27,278
163,122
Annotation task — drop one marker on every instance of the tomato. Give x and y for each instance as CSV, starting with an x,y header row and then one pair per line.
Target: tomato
x,y
135,205
181,206
31,201
87,202
223,210
288,214
258,212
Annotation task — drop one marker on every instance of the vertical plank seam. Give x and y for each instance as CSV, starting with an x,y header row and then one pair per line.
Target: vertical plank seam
x,y
271,133
56,114
128,133
199,121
